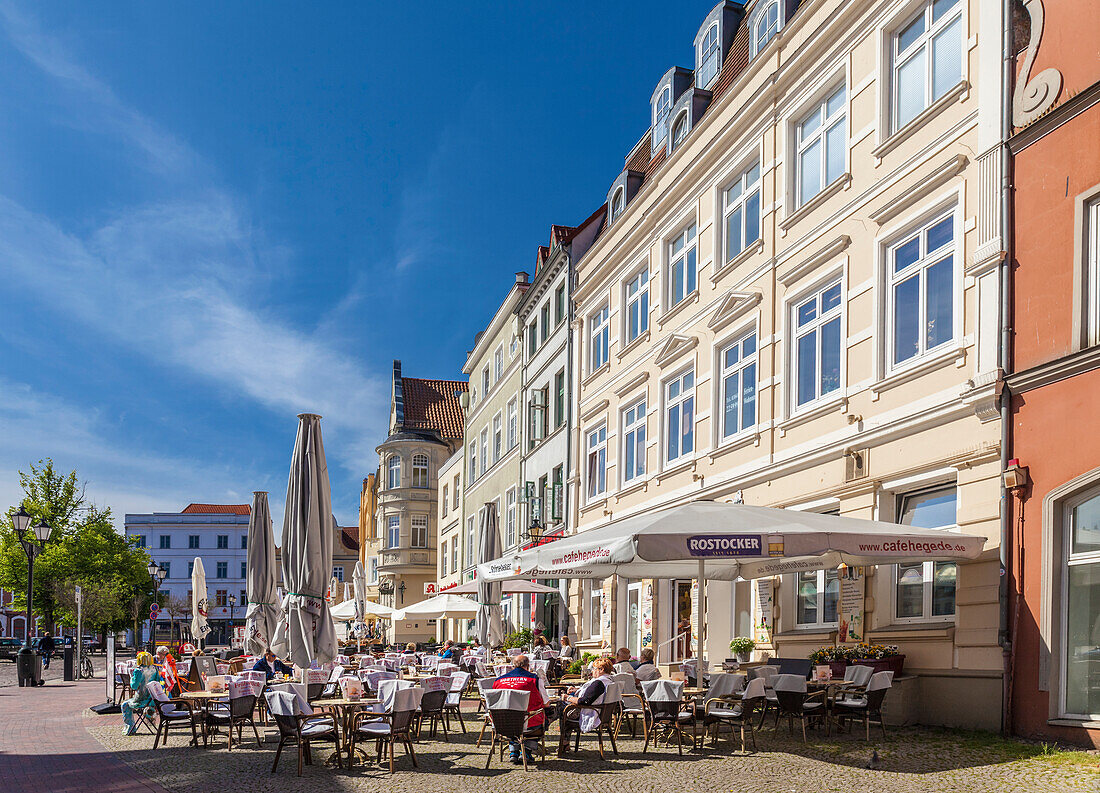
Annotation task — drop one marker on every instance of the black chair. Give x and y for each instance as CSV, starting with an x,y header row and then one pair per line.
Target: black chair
x,y
169,712
727,710
237,712
507,717
608,713
795,703
299,728
795,666
431,709
854,704
452,706
390,728
632,707
664,698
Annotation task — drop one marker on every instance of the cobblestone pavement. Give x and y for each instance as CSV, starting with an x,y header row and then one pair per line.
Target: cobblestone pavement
x,y
54,673
911,760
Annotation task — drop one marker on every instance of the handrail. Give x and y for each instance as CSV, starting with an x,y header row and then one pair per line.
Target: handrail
x,y
668,642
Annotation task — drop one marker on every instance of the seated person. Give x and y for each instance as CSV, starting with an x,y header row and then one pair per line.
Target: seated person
x,y
166,668
521,678
447,651
622,656
566,651
269,665
646,668
591,693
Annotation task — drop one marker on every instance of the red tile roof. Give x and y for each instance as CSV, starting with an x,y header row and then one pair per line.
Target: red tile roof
x,y
349,536
218,509
433,405
641,155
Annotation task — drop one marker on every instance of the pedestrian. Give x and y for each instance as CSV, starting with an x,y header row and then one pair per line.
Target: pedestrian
x,y
144,674
46,647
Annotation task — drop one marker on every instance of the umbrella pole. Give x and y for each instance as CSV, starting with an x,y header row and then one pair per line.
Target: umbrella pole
x,y
700,655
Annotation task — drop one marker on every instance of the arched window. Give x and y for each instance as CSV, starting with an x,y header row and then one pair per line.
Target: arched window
x,y
765,26
679,130
420,470
660,116
618,204
709,58
393,472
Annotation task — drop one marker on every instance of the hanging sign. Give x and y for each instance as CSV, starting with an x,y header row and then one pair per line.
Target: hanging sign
x,y
764,593
850,621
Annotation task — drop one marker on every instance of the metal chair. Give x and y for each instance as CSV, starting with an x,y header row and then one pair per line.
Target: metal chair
x,y
664,698
735,709
300,728
633,705
237,712
795,703
453,704
854,704
169,712
599,717
507,716
391,727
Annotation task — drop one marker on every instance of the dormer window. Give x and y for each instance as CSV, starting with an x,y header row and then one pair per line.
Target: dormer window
x,y
765,24
618,204
709,58
660,116
679,130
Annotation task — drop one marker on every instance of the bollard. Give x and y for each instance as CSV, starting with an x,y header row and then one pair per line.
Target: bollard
x,y
69,659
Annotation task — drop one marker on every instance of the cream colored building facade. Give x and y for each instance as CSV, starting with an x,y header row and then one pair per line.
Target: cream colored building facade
x,y
449,554
794,303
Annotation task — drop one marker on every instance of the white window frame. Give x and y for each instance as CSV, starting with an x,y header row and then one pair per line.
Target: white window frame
x,y
618,204
483,451
418,531
485,382
680,129
822,578
444,500
928,569
455,555
749,184
498,437
561,305
636,296
472,476
471,534
685,396
593,607
393,472
393,524
1090,243
443,559
919,268
599,337
746,360
820,135
708,53
662,109
421,466
513,422
814,326
687,257
1067,559
595,466
372,570
923,44
632,426
498,364
761,15
510,524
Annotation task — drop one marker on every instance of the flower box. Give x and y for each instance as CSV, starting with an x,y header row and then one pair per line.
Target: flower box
x,y
894,664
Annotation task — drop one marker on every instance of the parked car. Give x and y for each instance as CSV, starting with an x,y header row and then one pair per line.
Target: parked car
x,y
9,648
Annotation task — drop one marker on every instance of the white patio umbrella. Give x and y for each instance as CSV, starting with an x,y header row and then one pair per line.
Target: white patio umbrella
x,y
306,632
347,610
199,604
347,593
262,616
440,606
518,586
359,584
726,541
490,623
332,594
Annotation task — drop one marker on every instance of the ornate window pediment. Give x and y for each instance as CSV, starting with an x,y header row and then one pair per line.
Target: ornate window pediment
x,y
733,305
673,347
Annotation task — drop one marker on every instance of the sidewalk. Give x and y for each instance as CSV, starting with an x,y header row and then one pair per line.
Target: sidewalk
x,y
45,746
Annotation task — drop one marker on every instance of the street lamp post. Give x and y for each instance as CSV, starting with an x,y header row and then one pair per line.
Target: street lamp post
x,y
158,574
21,520
232,606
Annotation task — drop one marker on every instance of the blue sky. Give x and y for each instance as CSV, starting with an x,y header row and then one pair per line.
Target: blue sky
x,y
216,215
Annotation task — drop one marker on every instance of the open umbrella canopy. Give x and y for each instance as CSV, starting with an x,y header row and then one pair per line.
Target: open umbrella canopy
x,y
262,617
513,587
199,626
306,632
445,605
734,540
347,610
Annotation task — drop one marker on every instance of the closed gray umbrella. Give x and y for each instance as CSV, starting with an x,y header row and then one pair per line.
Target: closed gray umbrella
x,y
262,617
306,632
490,628
359,583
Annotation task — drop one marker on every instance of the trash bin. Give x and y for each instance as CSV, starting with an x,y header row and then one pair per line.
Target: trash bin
x,y
29,667
69,661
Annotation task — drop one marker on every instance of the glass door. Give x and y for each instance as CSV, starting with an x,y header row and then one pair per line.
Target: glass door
x,y
634,619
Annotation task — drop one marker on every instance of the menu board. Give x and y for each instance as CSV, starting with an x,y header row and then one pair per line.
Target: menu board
x,y
850,625
203,667
764,592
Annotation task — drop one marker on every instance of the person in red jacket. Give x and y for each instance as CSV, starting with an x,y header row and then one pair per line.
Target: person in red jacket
x,y
522,679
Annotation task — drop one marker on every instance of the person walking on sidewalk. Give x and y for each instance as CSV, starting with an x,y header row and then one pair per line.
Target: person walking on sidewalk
x,y
144,674
46,647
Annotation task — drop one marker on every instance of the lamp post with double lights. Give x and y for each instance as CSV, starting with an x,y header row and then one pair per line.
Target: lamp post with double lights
x,y
33,541
158,574
232,605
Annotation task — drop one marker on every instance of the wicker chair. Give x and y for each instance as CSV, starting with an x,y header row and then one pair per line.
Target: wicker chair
x,y
735,710
664,698
389,728
633,705
855,704
602,718
431,710
453,704
508,717
170,712
300,728
795,703
237,712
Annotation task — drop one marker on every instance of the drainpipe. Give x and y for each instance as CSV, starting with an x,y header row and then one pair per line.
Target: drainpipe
x,y
572,514
1004,360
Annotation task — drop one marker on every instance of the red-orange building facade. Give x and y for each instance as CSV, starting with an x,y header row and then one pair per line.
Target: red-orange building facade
x,y
1054,561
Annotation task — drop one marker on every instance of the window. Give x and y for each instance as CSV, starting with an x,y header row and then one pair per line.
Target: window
x,y
1082,605
822,146
166,541
513,423
557,494
443,559
419,531
765,25
393,531
818,594
679,130
484,458
222,570
372,574
600,337
661,110
445,500
637,305
510,518
926,590
223,542
485,382
817,345
559,399
420,470
244,542
680,416
221,598
498,437
193,541
393,472
741,203
470,529
634,441
921,293
533,338
559,305
709,58
681,268
244,569
498,364
927,59
739,386
338,572
454,554
593,603
545,319
244,597
167,569
1090,212
618,204
473,461
458,479
190,570
597,462
139,540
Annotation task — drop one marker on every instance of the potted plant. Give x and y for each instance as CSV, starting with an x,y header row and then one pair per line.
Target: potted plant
x,y
836,657
521,638
742,647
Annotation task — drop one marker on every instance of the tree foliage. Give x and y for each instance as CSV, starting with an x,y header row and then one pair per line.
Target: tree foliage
x,y
84,548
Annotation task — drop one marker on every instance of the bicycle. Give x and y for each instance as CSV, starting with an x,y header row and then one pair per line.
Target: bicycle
x,y
87,672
